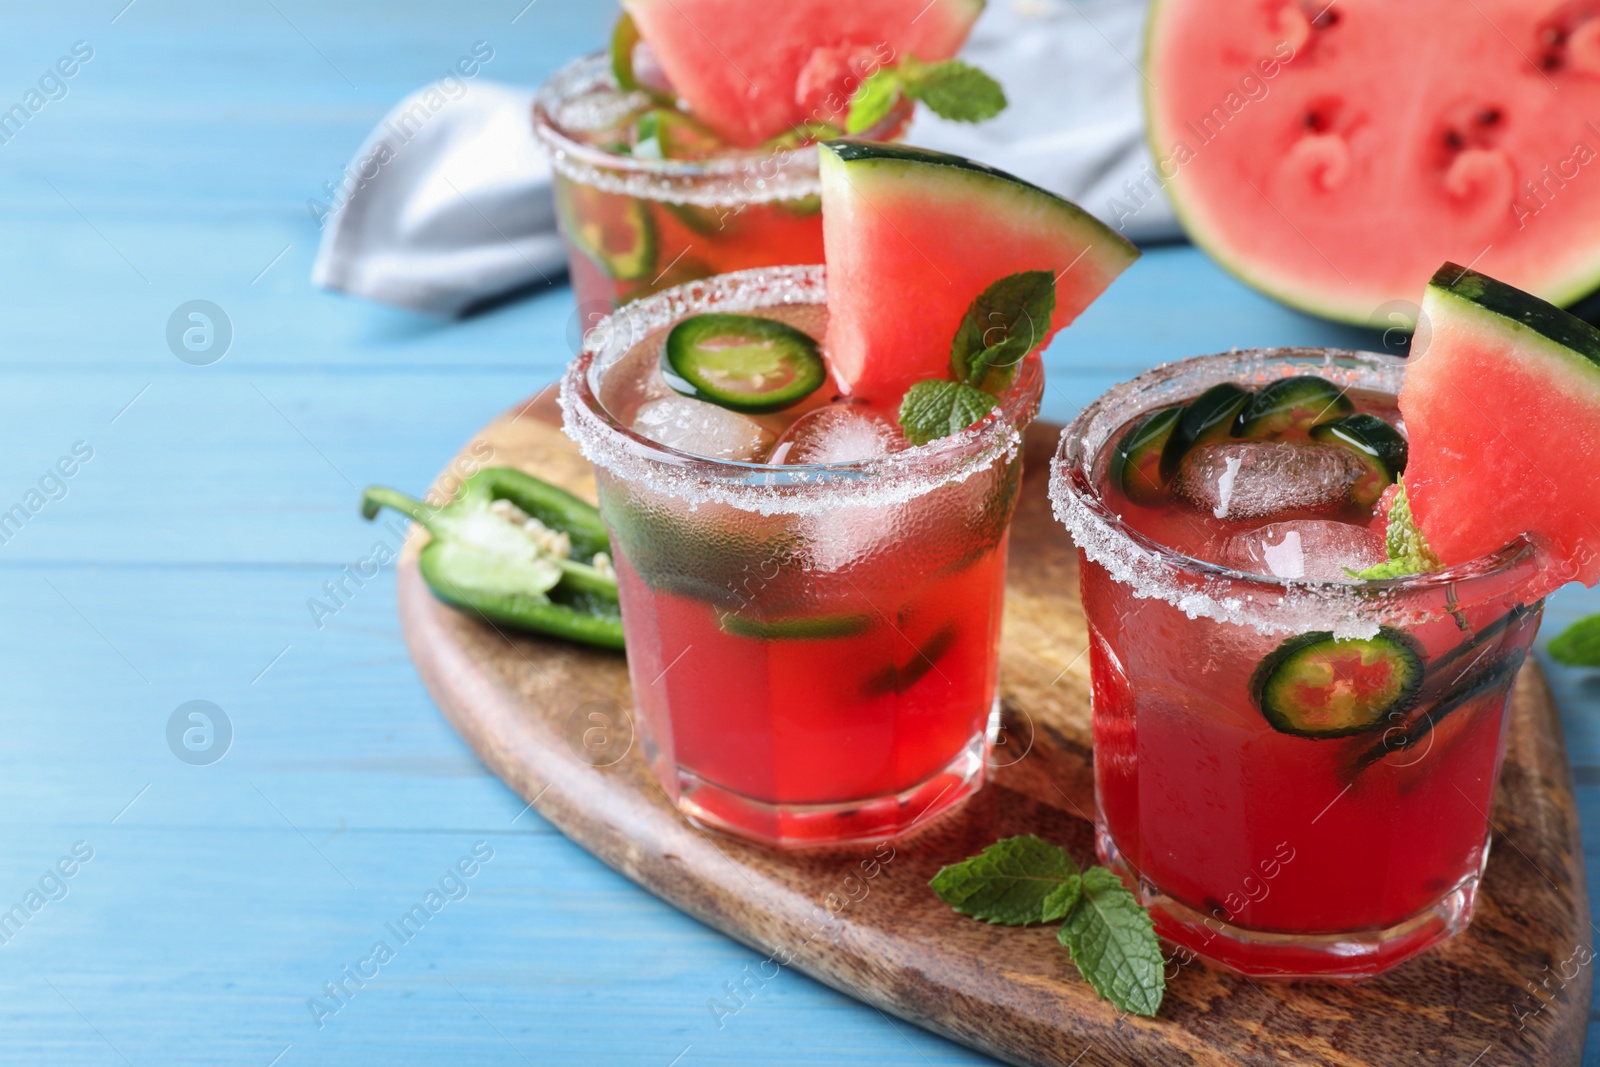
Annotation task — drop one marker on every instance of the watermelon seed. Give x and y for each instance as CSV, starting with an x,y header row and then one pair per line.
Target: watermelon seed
x,y
1320,13
1323,114
1490,117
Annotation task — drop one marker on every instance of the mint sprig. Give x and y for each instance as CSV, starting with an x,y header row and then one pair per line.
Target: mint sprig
x,y
873,101
1023,880
1000,328
1403,541
1579,644
1113,942
951,89
1014,882
936,408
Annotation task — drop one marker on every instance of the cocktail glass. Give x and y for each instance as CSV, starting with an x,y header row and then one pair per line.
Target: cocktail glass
x,y
636,226
1271,853
813,649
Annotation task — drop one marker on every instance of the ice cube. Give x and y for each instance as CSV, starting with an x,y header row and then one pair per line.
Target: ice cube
x,y
837,538
1241,480
841,433
703,429
838,433
1305,549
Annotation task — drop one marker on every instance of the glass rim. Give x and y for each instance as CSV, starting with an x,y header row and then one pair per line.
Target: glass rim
x,y
756,175
1267,603
764,488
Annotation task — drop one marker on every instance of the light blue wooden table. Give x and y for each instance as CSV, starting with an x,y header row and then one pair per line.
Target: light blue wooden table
x,y
177,565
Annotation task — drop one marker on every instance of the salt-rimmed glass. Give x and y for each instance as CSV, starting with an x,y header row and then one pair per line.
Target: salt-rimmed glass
x,y
813,648
636,226
1276,854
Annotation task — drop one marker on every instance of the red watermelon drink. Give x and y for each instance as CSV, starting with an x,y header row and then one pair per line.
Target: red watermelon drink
x,y
1295,766
635,224
811,565
812,644
689,150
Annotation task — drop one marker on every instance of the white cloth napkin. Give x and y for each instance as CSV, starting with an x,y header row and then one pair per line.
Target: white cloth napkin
x,y
447,203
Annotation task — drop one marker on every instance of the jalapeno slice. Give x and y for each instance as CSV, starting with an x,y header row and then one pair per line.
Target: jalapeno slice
x,y
1292,404
1316,686
1206,420
1380,446
1136,462
742,362
614,230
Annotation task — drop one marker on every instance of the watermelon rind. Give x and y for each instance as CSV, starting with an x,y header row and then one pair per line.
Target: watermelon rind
x,y
1570,336
989,187
990,224
1538,477
1357,312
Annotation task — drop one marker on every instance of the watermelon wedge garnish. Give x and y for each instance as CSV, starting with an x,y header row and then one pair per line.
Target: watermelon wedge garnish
x,y
1333,154
1502,408
912,237
753,71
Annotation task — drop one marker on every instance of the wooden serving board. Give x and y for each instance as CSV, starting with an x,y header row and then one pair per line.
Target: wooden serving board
x,y
552,720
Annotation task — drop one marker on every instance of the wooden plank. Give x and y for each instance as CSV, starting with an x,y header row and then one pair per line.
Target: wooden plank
x,y
1010,992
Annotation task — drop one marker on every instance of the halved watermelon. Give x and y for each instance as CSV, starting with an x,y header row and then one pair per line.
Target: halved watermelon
x,y
913,236
753,71
1333,154
1502,405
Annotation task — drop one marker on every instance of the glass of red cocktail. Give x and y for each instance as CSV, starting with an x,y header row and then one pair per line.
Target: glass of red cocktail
x,y
636,225
1295,767
813,645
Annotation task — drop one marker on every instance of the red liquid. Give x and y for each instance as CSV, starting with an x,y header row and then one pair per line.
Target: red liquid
x,y
1265,832
687,242
815,675
622,247
827,720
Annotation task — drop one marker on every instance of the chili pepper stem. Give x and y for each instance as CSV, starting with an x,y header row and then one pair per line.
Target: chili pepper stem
x,y
378,497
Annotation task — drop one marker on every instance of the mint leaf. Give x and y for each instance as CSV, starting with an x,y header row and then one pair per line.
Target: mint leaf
x,y
1114,944
1579,644
1395,568
1404,539
873,101
953,89
1014,882
935,408
1024,880
1000,328
1408,549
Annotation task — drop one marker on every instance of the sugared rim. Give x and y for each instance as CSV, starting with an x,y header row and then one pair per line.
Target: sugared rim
x,y
1265,603
753,177
759,487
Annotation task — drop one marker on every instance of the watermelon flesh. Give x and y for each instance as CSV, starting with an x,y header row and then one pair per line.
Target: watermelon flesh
x,y
912,237
1502,407
755,71
1333,155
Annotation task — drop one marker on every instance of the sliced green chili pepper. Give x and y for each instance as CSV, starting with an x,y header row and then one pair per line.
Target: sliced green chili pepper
x,y
485,559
